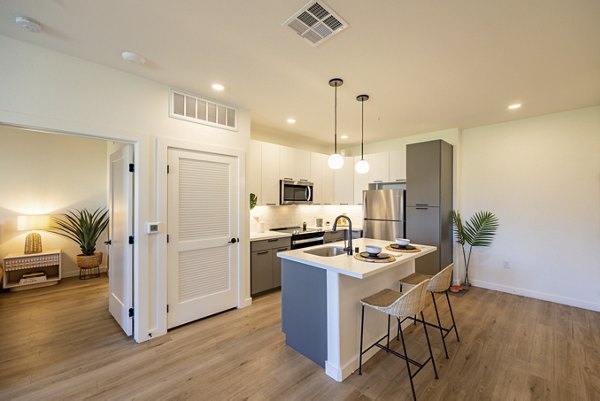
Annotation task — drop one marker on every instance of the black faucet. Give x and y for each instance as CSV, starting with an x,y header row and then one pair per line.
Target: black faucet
x,y
349,249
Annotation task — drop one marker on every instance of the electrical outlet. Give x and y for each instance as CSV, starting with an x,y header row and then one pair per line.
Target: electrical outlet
x,y
506,264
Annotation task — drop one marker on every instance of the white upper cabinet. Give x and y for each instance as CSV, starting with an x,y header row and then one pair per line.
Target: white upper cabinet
x,y
317,161
328,179
398,165
269,174
294,164
344,183
361,183
253,169
379,170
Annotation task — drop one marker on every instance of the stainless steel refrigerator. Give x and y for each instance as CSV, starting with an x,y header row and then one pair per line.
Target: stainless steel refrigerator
x,y
383,211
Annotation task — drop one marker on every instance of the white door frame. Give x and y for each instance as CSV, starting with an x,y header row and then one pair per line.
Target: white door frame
x,y
141,145
243,293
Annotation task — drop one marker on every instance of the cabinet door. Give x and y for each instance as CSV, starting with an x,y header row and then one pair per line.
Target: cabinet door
x,y
379,165
398,165
253,170
287,163
361,183
331,236
303,165
277,267
317,160
269,174
261,268
328,183
343,183
423,227
423,174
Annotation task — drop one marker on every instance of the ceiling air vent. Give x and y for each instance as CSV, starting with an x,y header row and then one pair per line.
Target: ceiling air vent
x,y
316,22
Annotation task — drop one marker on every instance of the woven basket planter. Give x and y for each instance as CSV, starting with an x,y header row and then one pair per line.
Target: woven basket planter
x,y
89,261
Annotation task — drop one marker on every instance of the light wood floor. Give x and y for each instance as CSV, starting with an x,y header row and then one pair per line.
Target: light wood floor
x,y
61,343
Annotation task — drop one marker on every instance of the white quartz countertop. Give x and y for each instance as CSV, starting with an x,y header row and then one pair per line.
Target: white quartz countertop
x,y
268,235
348,265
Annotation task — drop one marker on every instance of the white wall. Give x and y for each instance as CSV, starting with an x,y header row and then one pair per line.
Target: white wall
x,y
43,173
48,90
541,177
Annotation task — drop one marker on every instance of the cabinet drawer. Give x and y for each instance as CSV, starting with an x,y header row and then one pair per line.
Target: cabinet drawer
x,y
270,244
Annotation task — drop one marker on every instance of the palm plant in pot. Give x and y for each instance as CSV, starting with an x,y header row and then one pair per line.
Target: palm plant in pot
x,y
83,227
479,230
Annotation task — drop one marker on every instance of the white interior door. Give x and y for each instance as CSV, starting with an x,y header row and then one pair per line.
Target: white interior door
x,y
203,251
120,272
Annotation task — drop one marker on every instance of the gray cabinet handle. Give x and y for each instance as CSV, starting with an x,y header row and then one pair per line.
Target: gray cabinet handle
x,y
262,253
273,240
282,249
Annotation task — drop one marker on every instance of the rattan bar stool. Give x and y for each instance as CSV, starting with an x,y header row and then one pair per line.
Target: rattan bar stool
x,y
438,284
399,305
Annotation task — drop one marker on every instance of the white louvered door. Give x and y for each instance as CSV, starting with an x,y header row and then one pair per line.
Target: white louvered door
x,y
202,220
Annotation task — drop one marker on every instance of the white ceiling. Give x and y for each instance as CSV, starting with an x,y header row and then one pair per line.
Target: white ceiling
x,y
427,65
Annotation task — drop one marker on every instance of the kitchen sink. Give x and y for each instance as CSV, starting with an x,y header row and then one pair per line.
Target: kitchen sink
x,y
327,251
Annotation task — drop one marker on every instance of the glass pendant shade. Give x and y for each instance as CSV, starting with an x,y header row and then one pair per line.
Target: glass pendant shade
x,y
362,167
335,161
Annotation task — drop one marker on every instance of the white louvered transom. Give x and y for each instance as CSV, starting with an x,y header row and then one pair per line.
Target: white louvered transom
x,y
203,272
202,111
316,22
203,199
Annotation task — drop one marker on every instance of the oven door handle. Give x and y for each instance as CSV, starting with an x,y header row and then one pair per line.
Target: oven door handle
x,y
307,240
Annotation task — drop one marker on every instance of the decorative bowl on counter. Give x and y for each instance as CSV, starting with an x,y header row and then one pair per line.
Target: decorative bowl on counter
x,y
402,241
373,250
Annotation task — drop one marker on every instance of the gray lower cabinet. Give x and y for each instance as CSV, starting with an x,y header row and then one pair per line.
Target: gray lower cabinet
x,y
265,266
334,236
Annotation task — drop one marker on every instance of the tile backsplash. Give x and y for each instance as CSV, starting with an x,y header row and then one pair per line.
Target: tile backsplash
x,y
294,215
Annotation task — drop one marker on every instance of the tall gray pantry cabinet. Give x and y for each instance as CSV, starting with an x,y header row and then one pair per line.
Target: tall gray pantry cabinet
x,y
429,202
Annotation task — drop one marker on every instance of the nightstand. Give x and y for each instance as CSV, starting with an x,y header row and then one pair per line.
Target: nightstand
x,y
23,271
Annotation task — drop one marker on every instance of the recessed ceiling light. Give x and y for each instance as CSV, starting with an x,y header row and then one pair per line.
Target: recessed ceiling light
x,y
344,136
291,121
133,57
27,24
218,87
515,106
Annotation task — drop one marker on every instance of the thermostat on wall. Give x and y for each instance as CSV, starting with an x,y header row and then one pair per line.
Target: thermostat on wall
x,y
152,228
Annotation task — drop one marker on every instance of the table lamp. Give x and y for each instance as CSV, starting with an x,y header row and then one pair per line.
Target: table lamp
x,y
33,241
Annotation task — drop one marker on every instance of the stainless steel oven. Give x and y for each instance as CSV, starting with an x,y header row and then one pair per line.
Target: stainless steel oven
x,y
295,192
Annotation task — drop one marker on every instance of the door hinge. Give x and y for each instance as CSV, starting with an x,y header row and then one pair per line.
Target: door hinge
x,y
167,308
131,240
167,169
167,238
131,168
130,312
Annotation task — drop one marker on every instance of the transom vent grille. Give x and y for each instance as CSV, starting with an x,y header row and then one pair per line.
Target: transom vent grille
x,y
202,111
316,22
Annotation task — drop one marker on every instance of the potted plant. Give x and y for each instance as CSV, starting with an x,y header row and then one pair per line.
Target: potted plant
x,y
478,231
83,227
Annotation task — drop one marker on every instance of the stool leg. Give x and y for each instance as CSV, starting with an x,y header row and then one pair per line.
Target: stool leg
x,y
437,315
429,346
362,325
387,349
452,315
412,387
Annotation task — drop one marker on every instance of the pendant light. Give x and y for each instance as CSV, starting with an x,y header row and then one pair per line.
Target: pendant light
x,y
362,166
335,161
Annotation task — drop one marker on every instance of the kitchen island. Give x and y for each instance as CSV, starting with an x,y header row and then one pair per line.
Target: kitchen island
x,y
321,302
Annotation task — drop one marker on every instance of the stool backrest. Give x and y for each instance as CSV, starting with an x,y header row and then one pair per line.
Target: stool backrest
x,y
441,281
410,303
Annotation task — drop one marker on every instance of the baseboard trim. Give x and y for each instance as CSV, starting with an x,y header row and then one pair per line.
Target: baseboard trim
x,y
544,296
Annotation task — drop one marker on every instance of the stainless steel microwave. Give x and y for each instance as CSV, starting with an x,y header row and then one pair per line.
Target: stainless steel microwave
x,y
295,192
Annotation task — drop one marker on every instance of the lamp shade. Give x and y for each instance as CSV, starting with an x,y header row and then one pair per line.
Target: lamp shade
x,y
33,222
362,167
335,161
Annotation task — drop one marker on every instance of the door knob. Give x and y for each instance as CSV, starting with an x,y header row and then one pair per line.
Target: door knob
x,y
233,240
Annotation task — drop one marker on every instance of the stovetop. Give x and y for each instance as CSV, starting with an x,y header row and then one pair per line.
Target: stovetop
x,y
296,230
